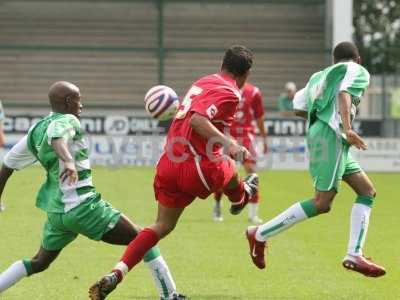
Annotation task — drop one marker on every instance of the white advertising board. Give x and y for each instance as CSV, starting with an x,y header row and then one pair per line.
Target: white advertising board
x,y
285,153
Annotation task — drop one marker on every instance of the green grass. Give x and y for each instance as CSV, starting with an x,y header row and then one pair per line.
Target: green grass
x,y
209,260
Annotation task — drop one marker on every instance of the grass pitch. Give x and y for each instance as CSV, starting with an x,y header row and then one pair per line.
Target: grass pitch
x,y
209,260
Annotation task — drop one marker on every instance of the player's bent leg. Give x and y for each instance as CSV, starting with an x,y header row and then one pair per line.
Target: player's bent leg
x,y
258,235
361,210
300,211
296,213
167,218
323,201
122,233
166,221
240,192
23,268
55,238
236,193
42,260
250,168
360,183
359,221
147,238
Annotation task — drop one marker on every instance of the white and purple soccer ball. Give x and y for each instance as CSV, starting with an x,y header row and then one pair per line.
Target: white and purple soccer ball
x,y
161,102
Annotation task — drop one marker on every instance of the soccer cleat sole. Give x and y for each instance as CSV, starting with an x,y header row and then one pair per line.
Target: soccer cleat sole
x,y
95,292
352,266
102,288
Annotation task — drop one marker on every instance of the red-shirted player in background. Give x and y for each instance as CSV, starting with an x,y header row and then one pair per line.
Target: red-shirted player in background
x,y
250,108
193,164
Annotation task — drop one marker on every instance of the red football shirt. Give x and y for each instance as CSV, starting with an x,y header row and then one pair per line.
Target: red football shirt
x,y
214,96
250,108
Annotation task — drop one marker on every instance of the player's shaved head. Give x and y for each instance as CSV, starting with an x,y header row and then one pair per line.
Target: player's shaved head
x,y
346,51
238,60
64,97
60,91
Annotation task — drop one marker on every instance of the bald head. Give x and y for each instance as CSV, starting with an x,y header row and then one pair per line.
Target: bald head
x,y
65,97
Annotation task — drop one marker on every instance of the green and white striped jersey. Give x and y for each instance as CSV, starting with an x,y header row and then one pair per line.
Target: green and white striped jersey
x,y
55,196
320,96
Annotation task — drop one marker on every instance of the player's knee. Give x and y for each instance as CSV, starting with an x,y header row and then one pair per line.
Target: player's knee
x,y
131,233
39,265
128,237
323,201
368,192
233,182
323,206
165,228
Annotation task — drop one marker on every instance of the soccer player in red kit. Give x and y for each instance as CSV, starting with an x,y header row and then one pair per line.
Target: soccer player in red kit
x,y
250,108
193,163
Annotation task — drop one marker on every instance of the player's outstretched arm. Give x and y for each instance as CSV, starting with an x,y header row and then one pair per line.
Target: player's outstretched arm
x,y
202,126
345,110
61,148
18,158
5,173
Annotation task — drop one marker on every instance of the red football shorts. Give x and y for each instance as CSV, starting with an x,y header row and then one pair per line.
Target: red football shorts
x,y
177,184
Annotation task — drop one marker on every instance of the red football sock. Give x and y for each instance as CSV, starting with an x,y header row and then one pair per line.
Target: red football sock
x,y
237,194
137,248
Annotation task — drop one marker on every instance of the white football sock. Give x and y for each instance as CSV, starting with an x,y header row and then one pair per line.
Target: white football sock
x,y
253,210
359,221
122,267
283,221
12,275
162,277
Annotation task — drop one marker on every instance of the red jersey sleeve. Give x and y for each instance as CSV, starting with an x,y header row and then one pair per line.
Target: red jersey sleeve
x,y
216,105
257,104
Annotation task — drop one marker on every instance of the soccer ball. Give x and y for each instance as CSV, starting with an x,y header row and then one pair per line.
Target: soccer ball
x,y
161,102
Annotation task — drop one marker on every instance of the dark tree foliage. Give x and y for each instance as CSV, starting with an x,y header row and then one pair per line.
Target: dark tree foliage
x,y
377,34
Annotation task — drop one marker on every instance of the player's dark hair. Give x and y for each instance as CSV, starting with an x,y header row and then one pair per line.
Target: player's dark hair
x,y
345,51
237,60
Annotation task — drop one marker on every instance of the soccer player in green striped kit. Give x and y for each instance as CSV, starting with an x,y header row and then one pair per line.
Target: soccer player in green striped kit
x,y
329,102
72,204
